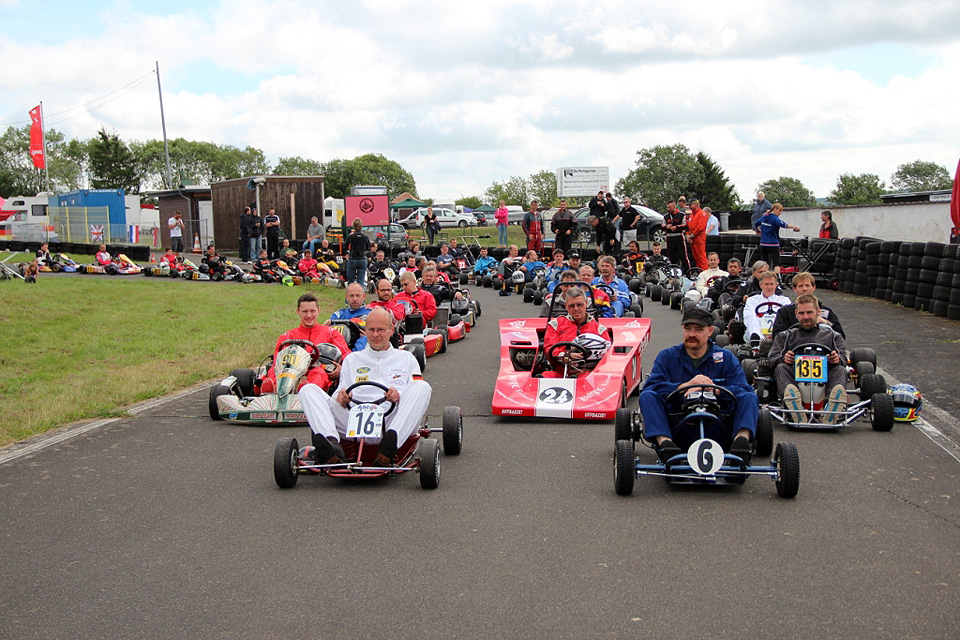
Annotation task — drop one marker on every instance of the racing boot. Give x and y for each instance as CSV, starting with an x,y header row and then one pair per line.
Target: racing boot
x,y
667,449
387,449
741,447
836,401
793,403
326,450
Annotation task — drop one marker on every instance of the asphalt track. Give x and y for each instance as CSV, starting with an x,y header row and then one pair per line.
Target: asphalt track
x,y
169,525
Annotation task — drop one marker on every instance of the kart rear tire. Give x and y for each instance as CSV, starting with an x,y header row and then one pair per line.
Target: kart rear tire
x,y
881,412
676,299
285,462
464,277
787,459
863,354
722,340
637,309
452,431
487,281
871,385
635,285
764,439
665,296
429,463
216,391
420,353
655,292
648,289
476,307
624,469
455,318
519,288
538,298
623,425
749,369
245,379
864,368
528,294
444,341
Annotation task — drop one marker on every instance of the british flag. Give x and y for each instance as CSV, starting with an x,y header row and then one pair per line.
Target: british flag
x,y
96,232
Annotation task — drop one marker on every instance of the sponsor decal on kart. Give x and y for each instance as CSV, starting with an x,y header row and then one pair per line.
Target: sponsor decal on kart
x,y
591,414
294,415
263,415
512,412
518,324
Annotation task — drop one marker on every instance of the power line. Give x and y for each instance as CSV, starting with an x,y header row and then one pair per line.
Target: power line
x,y
130,86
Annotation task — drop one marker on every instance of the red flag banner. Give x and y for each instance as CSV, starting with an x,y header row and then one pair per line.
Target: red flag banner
x,y
955,207
36,138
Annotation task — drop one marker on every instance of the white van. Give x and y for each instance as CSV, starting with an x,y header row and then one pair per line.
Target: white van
x,y
515,214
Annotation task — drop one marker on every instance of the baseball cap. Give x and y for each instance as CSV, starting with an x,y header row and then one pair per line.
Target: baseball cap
x,y
574,255
696,315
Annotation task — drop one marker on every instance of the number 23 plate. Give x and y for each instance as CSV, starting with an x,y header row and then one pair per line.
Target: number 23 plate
x,y
366,421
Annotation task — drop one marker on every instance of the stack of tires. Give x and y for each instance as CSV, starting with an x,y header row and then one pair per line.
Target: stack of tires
x,y
842,267
946,290
932,254
889,260
875,267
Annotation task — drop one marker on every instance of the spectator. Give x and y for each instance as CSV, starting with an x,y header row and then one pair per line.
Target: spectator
x,y
430,224
564,226
713,224
286,251
255,227
314,235
769,229
271,222
502,216
828,229
697,231
356,245
176,226
245,235
676,226
606,234
760,208
533,228
628,222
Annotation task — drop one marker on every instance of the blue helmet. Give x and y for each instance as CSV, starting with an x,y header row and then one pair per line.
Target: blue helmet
x,y
907,402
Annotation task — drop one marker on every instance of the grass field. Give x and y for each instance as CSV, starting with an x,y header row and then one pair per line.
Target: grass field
x,y
75,348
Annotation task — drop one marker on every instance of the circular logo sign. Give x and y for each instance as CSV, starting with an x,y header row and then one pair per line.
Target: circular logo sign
x,y
366,205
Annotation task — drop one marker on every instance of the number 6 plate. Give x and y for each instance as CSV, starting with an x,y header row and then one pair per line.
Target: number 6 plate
x,y
366,421
705,457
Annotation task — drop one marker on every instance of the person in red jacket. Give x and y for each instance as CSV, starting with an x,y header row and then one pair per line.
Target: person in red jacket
x,y
567,328
386,300
308,308
424,300
697,232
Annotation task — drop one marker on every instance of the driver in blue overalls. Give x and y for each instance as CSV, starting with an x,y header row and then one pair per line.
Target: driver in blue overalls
x,y
695,362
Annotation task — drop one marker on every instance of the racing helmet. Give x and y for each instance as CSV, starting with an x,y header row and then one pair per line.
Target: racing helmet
x,y
596,346
518,277
331,352
287,280
907,402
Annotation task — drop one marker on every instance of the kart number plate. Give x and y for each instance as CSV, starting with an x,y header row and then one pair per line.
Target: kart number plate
x,y
705,457
366,421
810,369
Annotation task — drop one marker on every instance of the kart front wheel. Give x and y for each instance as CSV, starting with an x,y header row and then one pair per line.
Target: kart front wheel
x,y
452,431
215,392
872,384
538,297
881,412
429,463
285,462
764,438
787,459
623,425
624,470
655,292
420,353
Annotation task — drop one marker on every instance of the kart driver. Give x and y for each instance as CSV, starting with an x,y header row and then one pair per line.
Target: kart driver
x,y
697,361
378,362
423,300
782,358
430,282
483,263
507,266
804,282
530,264
213,261
567,328
567,276
712,272
308,308
758,324
720,285
386,301
355,308
103,256
608,276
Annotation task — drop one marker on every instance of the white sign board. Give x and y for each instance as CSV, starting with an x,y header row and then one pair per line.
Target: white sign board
x,y
582,181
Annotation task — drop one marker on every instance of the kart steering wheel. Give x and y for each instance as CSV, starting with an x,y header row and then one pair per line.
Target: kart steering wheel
x,y
370,383
566,359
767,308
692,273
812,349
308,346
607,289
732,285
724,403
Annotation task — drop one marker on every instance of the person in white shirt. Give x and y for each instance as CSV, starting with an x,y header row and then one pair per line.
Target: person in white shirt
x,y
761,309
175,224
711,273
379,362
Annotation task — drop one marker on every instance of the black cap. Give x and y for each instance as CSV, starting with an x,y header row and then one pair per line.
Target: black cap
x,y
574,255
696,315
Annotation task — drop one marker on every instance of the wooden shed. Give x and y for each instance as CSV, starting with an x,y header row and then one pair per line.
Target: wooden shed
x,y
295,198
193,203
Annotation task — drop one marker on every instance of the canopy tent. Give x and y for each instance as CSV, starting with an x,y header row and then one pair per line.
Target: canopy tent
x,y
409,203
485,208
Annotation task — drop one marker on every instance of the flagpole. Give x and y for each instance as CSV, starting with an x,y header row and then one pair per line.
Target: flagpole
x,y
163,123
46,160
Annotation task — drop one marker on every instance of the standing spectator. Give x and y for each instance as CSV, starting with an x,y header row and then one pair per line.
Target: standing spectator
x,y
175,224
598,205
563,225
271,222
613,210
606,234
533,228
356,246
697,230
828,229
502,216
314,235
430,224
628,222
245,234
256,228
676,227
713,224
760,208
769,229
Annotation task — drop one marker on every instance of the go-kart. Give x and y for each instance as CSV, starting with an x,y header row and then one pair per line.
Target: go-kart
x,y
665,280
810,375
705,462
119,265
413,330
420,453
240,397
522,391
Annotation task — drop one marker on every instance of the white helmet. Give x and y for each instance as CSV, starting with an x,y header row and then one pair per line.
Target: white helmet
x,y
518,277
596,346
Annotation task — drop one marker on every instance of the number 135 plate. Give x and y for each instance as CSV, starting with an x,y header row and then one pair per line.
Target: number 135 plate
x,y
810,369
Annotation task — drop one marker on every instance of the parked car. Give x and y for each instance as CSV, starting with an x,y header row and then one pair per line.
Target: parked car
x,y
446,217
398,236
481,217
650,222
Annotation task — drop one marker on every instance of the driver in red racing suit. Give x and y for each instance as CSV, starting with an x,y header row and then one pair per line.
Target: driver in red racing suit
x,y
567,328
423,299
308,308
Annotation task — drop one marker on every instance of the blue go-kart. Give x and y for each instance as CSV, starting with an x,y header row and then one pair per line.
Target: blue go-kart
x,y
696,410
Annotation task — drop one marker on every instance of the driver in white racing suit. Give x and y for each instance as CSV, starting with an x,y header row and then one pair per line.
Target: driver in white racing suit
x,y
379,362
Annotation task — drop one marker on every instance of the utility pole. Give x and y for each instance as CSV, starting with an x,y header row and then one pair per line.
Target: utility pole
x,y
163,123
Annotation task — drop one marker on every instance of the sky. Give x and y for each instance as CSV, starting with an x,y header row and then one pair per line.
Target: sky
x,y
465,93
